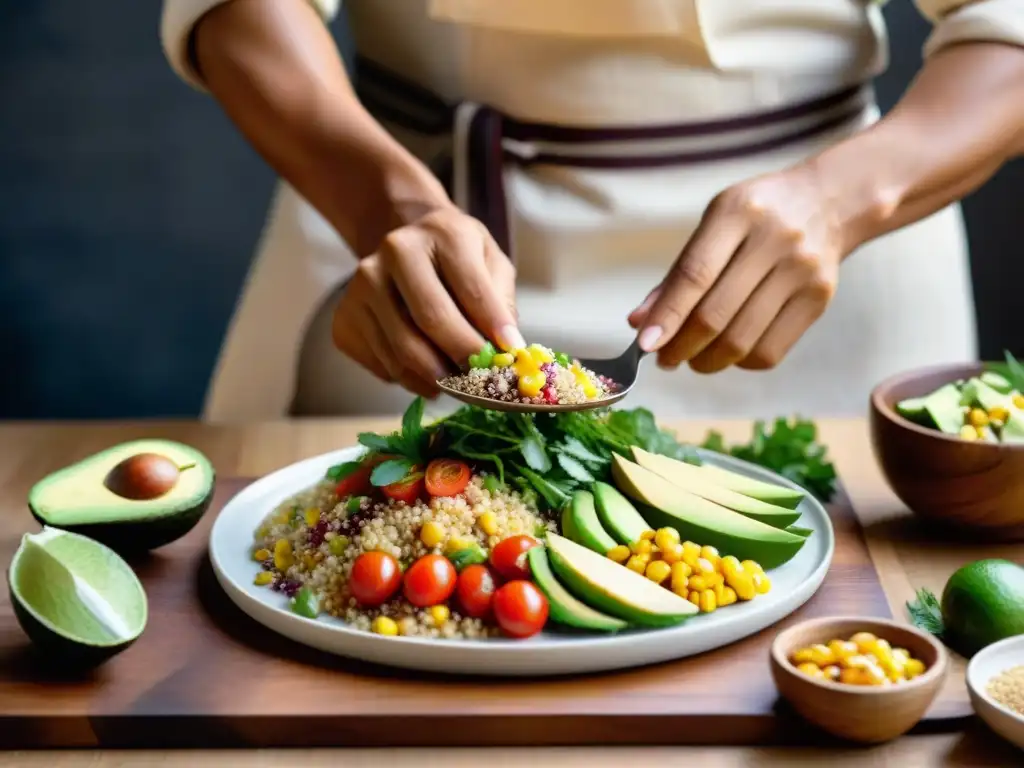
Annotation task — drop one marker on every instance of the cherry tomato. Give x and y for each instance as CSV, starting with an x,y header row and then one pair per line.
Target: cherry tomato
x,y
357,482
447,477
475,591
509,557
408,489
375,577
429,581
520,609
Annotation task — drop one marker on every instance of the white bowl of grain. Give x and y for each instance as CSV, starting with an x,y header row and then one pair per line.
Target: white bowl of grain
x,y
995,681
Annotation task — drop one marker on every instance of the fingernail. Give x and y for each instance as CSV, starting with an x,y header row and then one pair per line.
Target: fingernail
x,y
509,338
650,337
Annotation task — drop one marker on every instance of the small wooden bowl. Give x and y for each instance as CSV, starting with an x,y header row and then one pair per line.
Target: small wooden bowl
x,y
864,714
971,486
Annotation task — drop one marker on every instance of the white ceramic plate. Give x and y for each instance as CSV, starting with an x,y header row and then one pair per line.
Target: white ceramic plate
x,y
549,653
986,664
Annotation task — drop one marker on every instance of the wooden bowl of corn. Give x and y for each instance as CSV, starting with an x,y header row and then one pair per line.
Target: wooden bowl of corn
x,y
865,680
968,486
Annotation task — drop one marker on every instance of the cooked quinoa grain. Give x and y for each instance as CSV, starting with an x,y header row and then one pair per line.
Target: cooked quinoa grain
x,y
313,538
1008,689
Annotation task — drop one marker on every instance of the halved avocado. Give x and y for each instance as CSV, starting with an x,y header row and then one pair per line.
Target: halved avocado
x,y
163,489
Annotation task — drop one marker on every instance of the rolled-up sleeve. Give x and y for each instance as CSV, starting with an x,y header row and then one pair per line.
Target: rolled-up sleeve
x,y
180,16
962,21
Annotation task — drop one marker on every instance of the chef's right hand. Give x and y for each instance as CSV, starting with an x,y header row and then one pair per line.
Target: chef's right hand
x,y
430,297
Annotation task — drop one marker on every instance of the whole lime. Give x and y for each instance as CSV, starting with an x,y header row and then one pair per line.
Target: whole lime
x,y
983,602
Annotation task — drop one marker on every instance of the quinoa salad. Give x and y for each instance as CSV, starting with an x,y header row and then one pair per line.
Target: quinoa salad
x,y
487,524
534,375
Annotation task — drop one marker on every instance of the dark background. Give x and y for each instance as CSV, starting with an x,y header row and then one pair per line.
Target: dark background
x,y
129,210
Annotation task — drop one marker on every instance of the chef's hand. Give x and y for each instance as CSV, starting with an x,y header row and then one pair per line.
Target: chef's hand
x,y
758,271
429,297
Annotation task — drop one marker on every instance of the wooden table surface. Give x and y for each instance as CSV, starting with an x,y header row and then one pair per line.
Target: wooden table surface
x,y
905,555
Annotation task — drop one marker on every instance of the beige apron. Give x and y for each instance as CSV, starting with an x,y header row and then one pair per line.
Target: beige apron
x,y
589,242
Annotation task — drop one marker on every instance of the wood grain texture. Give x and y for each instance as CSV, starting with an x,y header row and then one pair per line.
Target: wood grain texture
x,y
973,488
907,554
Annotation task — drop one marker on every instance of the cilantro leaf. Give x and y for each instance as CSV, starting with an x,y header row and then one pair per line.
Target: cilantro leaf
x,y
574,468
340,471
534,454
375,442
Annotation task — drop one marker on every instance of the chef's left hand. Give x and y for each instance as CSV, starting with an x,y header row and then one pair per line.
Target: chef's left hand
x,y
761,267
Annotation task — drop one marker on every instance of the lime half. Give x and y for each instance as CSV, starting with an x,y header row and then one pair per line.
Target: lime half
x,y
74,597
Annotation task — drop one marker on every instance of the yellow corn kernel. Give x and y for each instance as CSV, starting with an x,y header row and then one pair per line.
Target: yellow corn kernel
x,y
673,553
694,597
752,567
531,384
901,655
691,552
283,555
699,582
310,560
1018,400
648,535
704,566
261,554
822,655
811,670
880,649
967,432
832,672
874,674
638,563
488,523
503,360
762,584
619,554
728,596
680,578
852,676
539,354
432,534
894,669
383,625
738,578
440,614
913,668
666,537
864,641
978,417
857,662
658,571
711,555
455,544
999,413
525,360
708,603
311,516
843,649
642,547
263,578
803,655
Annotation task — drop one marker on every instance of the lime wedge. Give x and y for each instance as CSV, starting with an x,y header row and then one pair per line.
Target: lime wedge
x,y
74,597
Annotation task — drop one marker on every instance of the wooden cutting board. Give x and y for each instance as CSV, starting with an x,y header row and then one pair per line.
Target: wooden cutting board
x,y
204,674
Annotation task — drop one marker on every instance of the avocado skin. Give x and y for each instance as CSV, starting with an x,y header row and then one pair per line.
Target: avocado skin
x,y
59,651
140,535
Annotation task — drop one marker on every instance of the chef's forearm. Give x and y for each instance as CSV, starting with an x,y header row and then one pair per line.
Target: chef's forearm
x,y
958,123
275,69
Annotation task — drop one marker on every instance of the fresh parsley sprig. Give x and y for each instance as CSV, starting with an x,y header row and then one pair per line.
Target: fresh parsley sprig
x,y
406,448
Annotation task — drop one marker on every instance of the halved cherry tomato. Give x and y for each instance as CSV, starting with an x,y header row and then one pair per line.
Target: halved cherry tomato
x,y
509,556
429,581
447,477
475,591
520,609
408,489
375,577
357,482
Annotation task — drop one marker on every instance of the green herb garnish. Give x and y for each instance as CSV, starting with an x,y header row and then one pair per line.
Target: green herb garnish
x,y
789,448
926,613
471,555
406,448
305,603
1012,370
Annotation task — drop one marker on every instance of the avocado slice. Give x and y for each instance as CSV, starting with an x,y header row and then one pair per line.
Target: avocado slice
x,y
568,524
944,408
584,523
78,499
563,608
997,381
614,589
704,521
770,493
617,515
697,482
912,408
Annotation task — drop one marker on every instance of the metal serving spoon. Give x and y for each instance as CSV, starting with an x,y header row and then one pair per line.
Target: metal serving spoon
x,y
623,370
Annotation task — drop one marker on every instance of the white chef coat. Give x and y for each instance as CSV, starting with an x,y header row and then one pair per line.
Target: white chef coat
x,y
590,242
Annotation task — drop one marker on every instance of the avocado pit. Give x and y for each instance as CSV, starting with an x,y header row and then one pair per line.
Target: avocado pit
x,y
143,477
